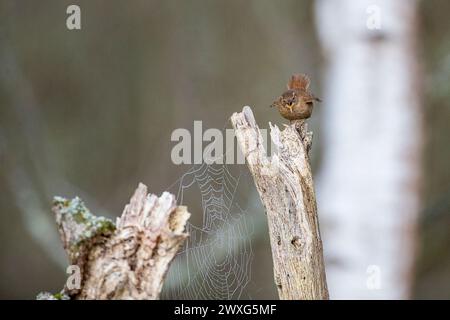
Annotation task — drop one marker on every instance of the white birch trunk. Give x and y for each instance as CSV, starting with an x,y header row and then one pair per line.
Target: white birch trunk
x,y
368,187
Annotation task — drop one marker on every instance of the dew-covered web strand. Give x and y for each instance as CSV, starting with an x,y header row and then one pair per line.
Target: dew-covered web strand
x,y
217,256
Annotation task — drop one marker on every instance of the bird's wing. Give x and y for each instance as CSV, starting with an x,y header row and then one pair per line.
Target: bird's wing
x,y
309,97
276,103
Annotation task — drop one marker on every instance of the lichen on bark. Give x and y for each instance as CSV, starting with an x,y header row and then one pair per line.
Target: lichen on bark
x,y
126,260
78,227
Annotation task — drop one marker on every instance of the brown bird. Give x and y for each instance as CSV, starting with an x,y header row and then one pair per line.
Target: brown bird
x,y
297,102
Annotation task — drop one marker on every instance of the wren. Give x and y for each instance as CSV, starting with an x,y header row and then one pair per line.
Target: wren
x,y
297,102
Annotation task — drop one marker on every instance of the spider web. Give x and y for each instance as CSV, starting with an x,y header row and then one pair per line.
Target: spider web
x,y
215,261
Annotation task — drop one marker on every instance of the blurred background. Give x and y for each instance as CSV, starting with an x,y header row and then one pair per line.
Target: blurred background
x,y
90,112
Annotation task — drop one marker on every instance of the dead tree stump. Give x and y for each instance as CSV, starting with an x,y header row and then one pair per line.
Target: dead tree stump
x,y
126,260
285,185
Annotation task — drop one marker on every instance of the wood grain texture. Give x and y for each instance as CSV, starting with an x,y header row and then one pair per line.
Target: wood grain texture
x,y
285,185
128,260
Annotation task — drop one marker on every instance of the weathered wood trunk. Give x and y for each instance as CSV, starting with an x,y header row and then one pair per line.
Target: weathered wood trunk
x,y
126,260
285,185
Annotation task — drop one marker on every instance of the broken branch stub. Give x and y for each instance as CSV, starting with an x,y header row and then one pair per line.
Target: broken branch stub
x,y
128,260
285,185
